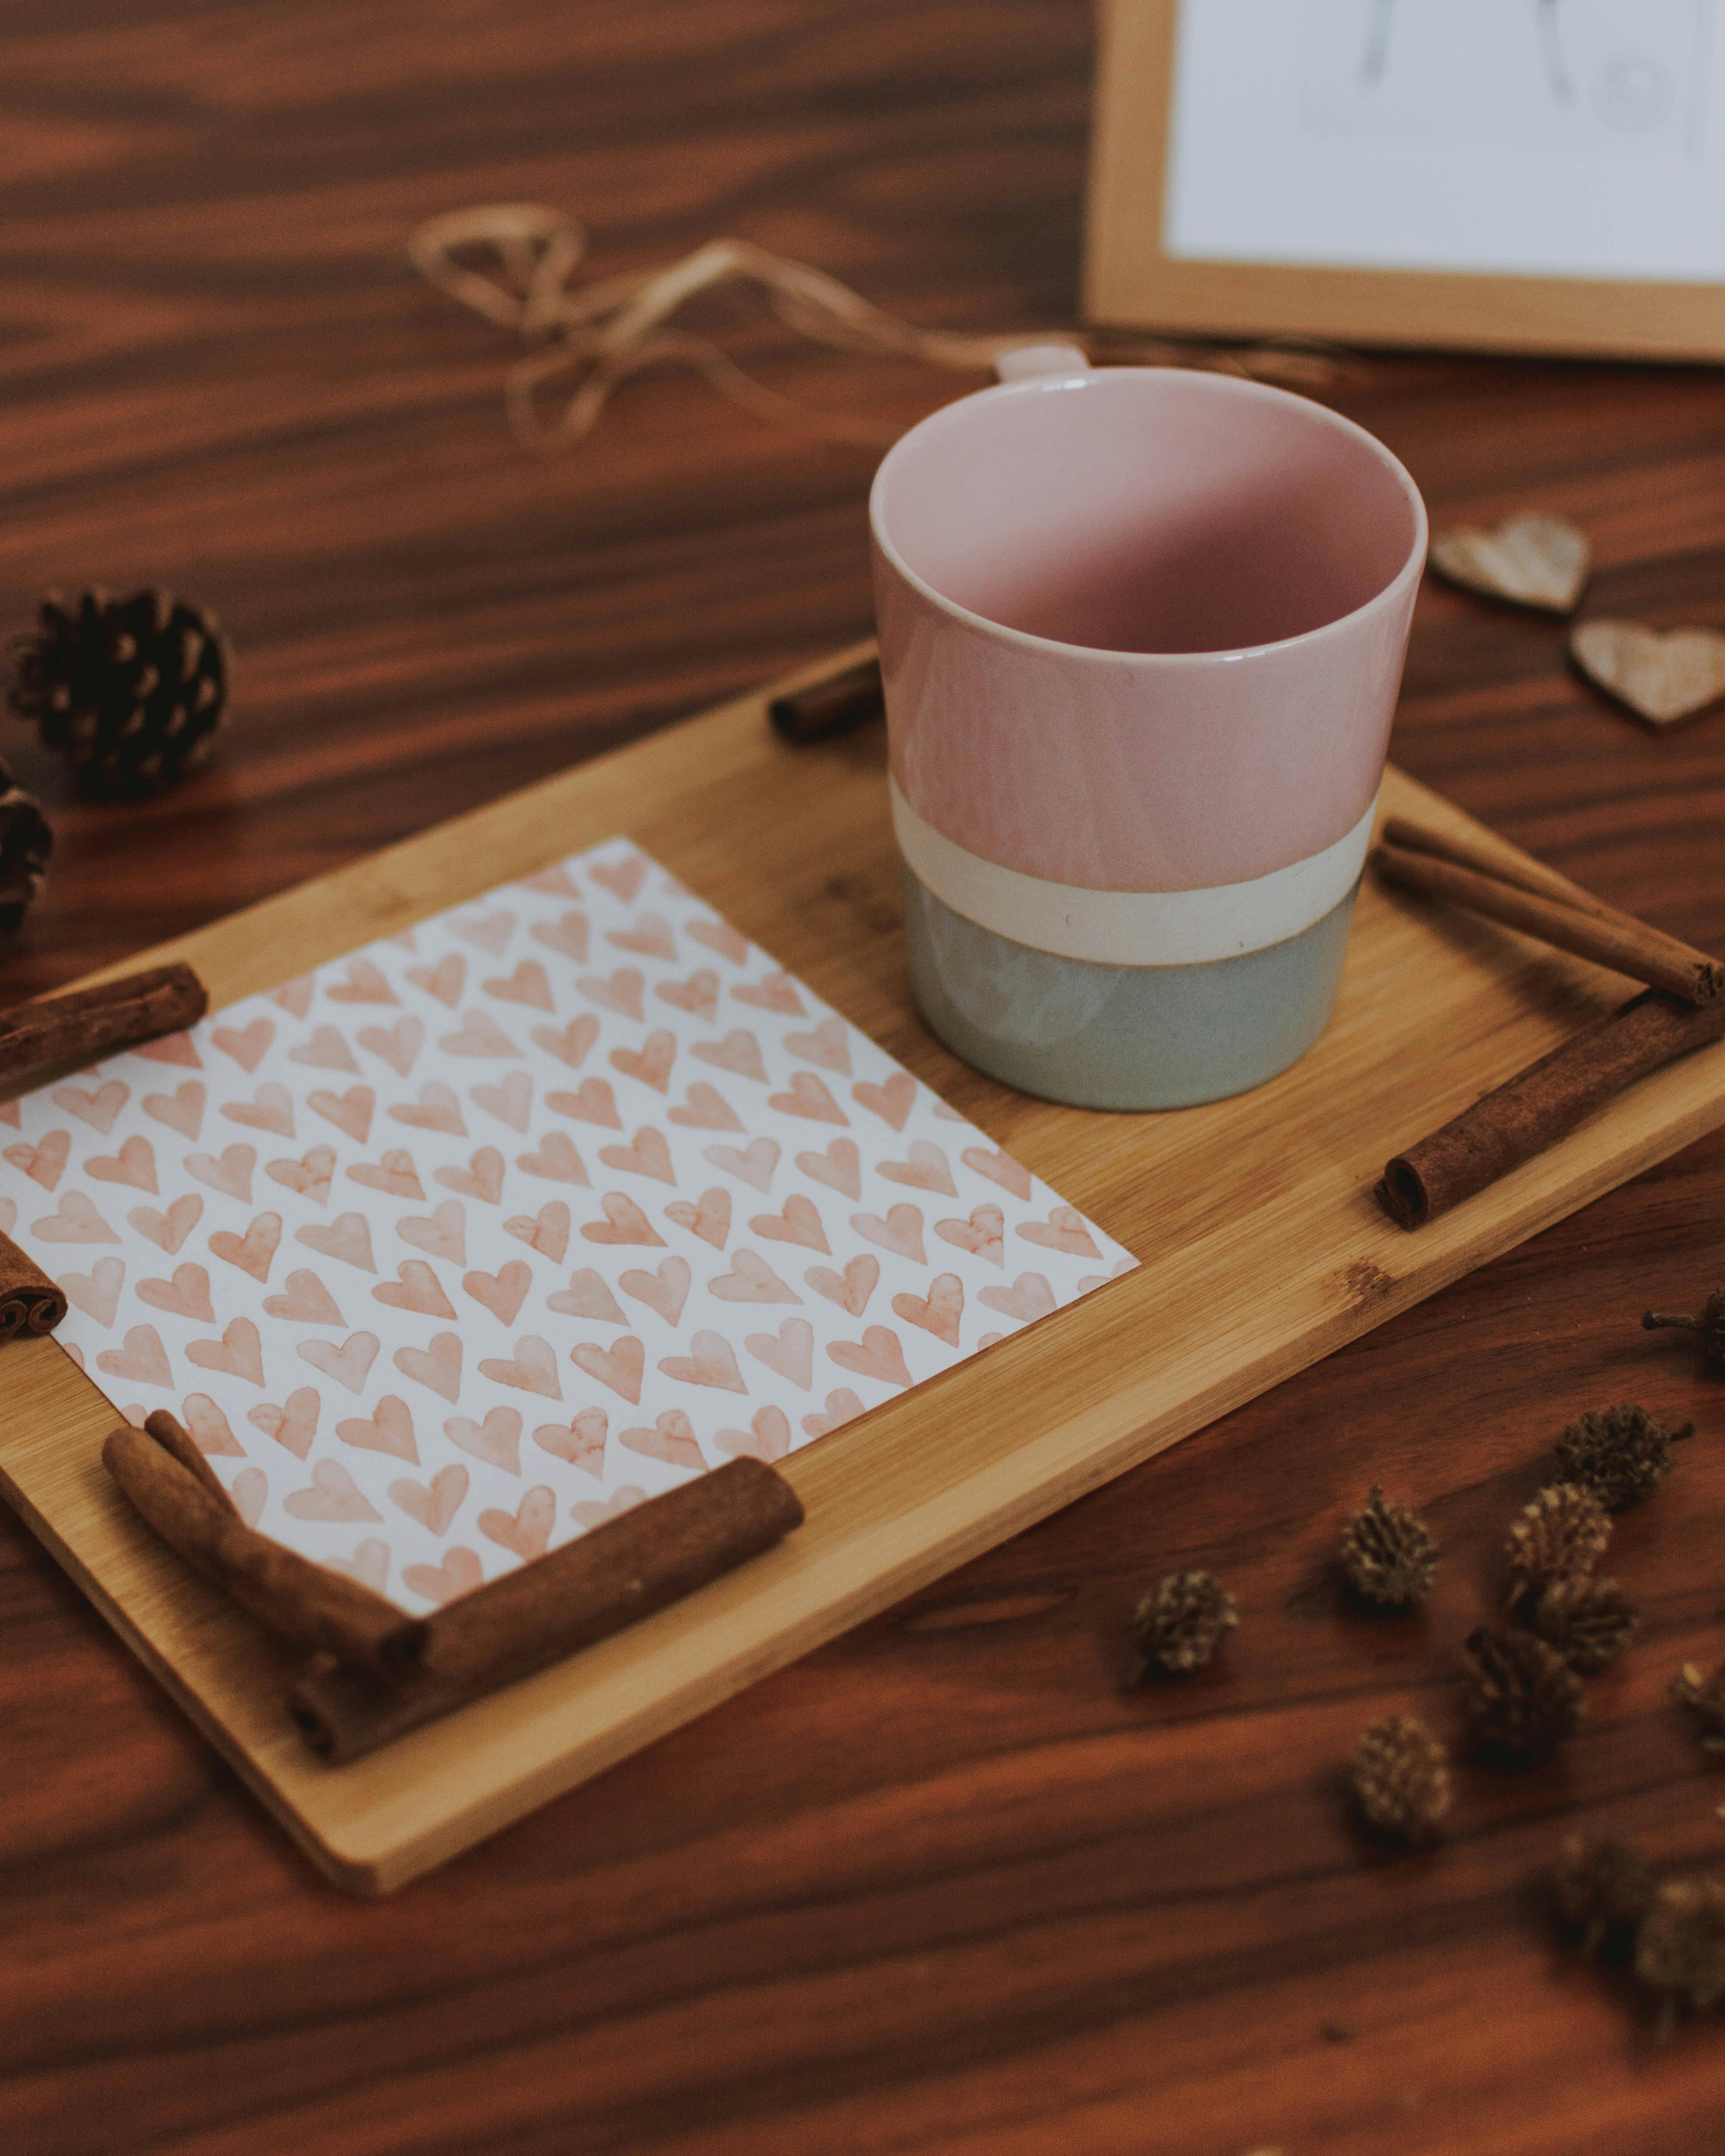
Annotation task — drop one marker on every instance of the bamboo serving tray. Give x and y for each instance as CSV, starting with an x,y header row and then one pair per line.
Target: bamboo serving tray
x,y
1262,1251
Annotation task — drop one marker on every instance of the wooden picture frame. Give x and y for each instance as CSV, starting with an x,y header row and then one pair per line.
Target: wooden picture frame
x,y
1133,278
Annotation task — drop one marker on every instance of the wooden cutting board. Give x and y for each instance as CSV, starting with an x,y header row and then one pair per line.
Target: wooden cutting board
x,y
1261,1249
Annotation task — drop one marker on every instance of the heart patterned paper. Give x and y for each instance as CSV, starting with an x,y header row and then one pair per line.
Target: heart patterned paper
x,y
467,1242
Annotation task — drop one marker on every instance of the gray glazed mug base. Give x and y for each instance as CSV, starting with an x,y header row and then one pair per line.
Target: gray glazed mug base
x,y
1130,1037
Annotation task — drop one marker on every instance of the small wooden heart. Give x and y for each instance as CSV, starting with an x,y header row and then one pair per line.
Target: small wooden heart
x,y
1531,561
1663,676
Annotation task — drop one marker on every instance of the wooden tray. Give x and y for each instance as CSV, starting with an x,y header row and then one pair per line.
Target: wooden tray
x,y
1262,1251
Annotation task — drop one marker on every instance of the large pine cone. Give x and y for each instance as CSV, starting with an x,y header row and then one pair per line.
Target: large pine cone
x,y
132,689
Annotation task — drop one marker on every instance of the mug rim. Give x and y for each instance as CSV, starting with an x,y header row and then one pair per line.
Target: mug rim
x,y
1383,599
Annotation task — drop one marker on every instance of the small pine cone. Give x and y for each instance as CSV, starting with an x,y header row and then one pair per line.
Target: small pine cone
x,y
1588,1621
1679,1949
1180,1622
1601,1890
1708,1324
1561,1535
1523,1699
1400,1774
132,689
25,844
1621,1454
1705,1698
1388,1554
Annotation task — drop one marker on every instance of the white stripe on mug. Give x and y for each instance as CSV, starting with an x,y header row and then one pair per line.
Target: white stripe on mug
x,y
1132,927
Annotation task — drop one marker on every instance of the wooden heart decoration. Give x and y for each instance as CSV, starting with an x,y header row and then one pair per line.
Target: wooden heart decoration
x,y
1662,676
1539,561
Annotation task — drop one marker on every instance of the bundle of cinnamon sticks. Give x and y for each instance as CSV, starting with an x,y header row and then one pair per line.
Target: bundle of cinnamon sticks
x,y
375,1672
1682,1009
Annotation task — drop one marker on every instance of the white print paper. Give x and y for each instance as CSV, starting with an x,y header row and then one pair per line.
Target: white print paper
x,y
463,1244
1544,137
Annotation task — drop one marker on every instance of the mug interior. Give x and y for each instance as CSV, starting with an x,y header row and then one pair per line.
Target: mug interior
x,y
1147,510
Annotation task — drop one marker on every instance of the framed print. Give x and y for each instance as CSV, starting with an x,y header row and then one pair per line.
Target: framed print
x,y
1522,175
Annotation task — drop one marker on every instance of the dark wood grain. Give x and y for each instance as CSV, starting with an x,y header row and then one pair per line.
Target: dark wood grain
x,y
948,1886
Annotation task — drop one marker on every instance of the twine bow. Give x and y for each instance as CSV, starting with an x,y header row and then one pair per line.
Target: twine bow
x,y
585,339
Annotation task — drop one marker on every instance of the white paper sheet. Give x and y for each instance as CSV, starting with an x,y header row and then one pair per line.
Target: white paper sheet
x,y
460,1244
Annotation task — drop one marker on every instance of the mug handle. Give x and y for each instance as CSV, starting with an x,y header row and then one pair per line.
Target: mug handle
x,y
1026,361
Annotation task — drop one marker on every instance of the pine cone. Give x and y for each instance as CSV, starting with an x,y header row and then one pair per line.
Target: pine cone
x,y
1523,1699
1561,1535
1708,1324
1400,1774
25,844
132,690
1180,1622
1601,1890
1679,1949
1621,1454
1705,1698
1588,1621
1388,1554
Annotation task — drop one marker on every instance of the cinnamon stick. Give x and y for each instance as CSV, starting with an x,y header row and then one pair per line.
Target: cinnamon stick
x,y
29,1301
826,709
86,1024
1600,933
1495,859
303,1602
1543,1103
640,1562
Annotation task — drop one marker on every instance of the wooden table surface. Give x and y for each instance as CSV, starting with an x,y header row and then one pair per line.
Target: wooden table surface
x,y
946,1885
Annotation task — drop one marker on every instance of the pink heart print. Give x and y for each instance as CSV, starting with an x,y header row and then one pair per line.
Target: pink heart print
x,y
182,1110
709,1219
581,1442
416,1288
703,1107
619,1367
651,938
767,1437
799,1221
557,1160
751,1279
827,1044
134,1163
327,1049
592,1102
365,983
272,1110
671,1438
348,1363
571,1044
389,1428
435,1504
458,1573
527,984
496,1440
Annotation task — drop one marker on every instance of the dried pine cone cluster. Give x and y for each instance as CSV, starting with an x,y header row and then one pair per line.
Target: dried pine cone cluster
x,y
1705,1699
1672,1937
1388,1554
1522,1697
131,690
1182,1620
1621,1454
1552,1550
1400,1776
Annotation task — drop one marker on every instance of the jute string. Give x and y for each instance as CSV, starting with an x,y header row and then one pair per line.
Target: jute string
x,y
516,263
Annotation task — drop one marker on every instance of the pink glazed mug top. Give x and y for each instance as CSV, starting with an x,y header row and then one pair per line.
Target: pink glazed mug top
x,y
1142,630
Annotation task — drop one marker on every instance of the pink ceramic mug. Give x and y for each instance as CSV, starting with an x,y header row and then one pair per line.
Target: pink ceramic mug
x,y
1143,632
